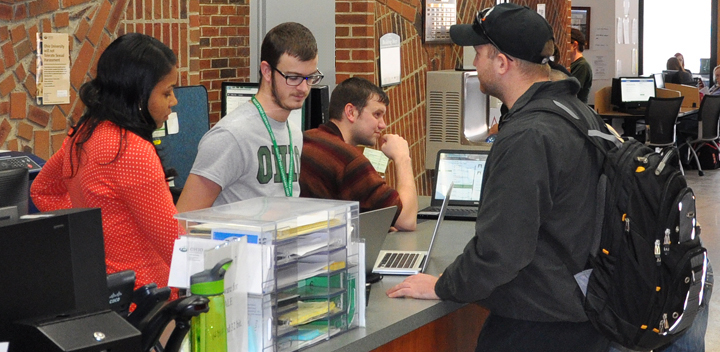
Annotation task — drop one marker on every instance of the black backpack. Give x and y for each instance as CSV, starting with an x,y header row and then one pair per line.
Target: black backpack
x,y
645,275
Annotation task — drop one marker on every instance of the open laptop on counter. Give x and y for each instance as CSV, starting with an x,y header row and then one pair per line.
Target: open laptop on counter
x,y
464,169
402,262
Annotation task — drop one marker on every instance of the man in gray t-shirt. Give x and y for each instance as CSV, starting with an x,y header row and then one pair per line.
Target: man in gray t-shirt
x,y
255,151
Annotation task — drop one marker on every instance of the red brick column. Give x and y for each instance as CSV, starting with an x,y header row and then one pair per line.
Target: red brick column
x,y
224,47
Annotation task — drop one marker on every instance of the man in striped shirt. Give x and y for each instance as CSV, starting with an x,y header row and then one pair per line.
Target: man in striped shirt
x,y
333,167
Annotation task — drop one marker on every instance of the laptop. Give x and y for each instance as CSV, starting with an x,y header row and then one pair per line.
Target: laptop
x,y
463,168
374,227
401,262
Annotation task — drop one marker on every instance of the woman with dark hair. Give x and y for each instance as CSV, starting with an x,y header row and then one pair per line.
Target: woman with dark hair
x,y
677,73
108,160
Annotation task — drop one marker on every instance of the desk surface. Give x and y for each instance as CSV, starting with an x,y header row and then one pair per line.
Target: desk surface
x,y
622,115
390,318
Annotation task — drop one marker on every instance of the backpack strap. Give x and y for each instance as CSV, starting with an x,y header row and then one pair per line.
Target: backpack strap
x,y
592,128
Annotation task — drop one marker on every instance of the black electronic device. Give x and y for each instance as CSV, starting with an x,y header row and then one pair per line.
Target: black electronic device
x,y
659,80
120,290
316,108
53,266
15,189
18,161
704,66
233,94
631,94
96,332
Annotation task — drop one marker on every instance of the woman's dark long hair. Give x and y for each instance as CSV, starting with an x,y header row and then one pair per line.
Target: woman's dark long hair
x,y
127,71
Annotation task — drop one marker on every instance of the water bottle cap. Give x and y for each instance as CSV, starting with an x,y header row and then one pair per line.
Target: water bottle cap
x,y
210,282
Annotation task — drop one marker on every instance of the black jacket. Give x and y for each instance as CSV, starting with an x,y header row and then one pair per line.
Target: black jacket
x,y
537,212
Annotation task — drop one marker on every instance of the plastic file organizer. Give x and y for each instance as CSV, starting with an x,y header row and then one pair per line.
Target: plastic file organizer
x,y
295,276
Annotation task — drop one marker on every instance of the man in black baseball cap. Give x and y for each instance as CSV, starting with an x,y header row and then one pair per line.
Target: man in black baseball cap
x,y
537,211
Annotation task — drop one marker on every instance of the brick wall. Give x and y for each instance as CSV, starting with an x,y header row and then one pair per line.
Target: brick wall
x,y
224,47
211,39
361,23
91,26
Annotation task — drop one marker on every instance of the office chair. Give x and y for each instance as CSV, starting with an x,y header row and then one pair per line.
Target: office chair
x,y
707,131
660,117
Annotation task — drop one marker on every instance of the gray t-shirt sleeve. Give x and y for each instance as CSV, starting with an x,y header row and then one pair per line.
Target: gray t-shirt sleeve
x,y
219,158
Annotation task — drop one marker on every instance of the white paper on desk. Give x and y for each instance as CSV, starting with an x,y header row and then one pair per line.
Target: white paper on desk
x,y
377,158
4,346
187,259
360,289
173,126
235,284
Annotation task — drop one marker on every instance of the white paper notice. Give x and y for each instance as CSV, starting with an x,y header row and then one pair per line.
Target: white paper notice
x,y
53,68
188,259
236,295
600,67
377,158
626,30
389,59
619,30
635,30
603,38
173,127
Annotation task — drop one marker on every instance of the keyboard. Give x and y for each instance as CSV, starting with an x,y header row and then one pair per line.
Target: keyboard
x,y
398,260
456,212
17,162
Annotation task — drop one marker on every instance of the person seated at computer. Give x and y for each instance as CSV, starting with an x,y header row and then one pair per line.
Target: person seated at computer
x,y
681,59
679,74
108,160
334,168
715,89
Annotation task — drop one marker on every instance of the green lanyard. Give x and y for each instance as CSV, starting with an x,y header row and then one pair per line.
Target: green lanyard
x,y
287,179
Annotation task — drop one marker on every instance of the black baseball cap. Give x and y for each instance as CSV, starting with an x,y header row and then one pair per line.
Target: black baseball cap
x,y
515,30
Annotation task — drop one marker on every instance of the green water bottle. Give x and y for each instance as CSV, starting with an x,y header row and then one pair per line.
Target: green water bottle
x,y
208,332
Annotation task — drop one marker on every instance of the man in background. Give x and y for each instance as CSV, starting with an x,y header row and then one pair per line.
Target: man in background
x,y
580,68
255,151
333,167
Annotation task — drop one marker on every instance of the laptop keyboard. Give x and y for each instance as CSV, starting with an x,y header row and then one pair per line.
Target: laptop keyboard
x,y
455,210
398,260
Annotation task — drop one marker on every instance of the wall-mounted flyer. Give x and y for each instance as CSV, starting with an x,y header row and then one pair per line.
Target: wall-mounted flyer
x,y
389,60
53,68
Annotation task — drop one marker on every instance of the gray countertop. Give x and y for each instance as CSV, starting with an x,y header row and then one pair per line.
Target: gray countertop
x,y
390,318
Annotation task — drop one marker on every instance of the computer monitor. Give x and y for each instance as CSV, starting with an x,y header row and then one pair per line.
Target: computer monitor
x,y
234,94
53,266
704,66
659,80
634,92
15,189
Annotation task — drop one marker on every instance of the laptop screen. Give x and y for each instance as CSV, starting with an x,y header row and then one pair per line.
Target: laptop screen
x,y
464,169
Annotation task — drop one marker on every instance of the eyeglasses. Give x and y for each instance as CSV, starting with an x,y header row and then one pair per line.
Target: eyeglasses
x,y
479,23
295,81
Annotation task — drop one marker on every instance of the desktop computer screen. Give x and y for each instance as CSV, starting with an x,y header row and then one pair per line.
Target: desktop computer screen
x,y
15,189
234,94
636,91
53,266
659,80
